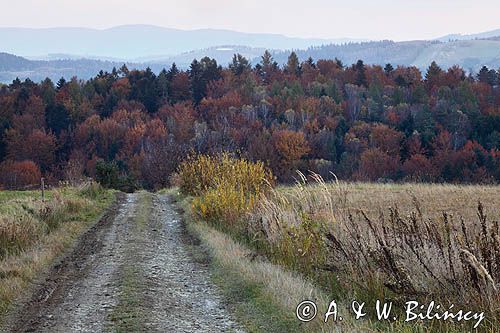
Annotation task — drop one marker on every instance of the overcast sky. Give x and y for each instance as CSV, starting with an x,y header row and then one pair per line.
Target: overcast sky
x,y
373,19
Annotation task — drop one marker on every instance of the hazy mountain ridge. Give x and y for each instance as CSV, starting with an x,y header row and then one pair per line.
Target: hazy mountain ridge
x,y
471,54
132,42
482,35
223,54
398,53
12,67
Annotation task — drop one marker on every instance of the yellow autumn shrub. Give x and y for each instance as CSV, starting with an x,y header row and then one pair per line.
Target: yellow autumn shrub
x,y
224,187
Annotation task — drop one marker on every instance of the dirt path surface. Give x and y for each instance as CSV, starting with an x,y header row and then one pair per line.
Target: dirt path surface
x,y
132,272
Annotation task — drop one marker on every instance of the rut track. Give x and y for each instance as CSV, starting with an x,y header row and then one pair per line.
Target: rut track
x,y
132,271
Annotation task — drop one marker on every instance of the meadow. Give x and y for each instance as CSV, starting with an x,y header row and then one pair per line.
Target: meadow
x,y
35,231
368,241
388,241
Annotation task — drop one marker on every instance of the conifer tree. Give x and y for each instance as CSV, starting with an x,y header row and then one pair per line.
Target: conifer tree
x,y
293,64
360,74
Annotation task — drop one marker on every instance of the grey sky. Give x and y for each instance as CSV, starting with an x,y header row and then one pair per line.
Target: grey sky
x,y
383,19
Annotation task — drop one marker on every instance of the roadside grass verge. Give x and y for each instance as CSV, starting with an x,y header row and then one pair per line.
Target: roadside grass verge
x,y
256,290
34,232
263,296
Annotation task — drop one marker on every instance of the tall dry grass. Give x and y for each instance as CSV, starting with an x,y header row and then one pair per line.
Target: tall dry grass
x,y
34,231
381,245
25,219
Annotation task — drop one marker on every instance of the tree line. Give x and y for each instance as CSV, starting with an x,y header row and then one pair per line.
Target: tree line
x,y
132,128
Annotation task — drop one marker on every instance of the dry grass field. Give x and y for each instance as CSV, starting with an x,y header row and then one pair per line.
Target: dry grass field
x,y
434,199
33,232
388,241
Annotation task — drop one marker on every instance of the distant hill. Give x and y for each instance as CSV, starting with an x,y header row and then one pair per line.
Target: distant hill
x,y
12,66
382,52
223,54
138,42
469,54
482,35
10,62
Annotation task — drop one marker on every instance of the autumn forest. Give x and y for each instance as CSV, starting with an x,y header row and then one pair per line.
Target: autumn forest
x,y
131,129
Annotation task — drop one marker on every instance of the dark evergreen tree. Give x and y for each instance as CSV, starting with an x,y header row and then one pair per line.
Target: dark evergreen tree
x,y
487,76
293,65
47,91
239,64
433,75
123,71
61,83
144,88
16,83
310,62
268,66
163,84
200,74
388,69
492,77
360,74
339,63
114,73
173,71
57,118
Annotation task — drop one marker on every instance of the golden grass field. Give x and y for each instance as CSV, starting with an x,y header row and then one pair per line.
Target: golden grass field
x,y
459,200
396,242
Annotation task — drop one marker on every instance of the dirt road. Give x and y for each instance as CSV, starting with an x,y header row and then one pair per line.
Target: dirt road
x,y
132,272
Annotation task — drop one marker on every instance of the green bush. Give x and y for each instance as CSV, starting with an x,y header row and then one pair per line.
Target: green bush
x,y
108,174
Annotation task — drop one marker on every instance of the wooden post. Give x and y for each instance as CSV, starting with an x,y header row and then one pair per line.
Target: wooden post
x,y
43,188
